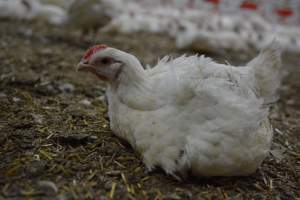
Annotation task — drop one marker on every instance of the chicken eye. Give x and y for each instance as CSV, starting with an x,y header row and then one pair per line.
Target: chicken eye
x,y
105,61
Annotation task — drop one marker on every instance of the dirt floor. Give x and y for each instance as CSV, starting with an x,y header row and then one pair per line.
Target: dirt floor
x,y
55,141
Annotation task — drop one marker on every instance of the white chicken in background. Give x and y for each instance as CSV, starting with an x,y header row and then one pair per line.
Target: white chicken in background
x,y
290,37
241,31
50,13
94,14
60,3
32,9
15,9
131,23
211,40
88,15
190,114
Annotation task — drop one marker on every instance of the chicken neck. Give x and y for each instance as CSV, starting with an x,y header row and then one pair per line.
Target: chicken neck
x,y
133,87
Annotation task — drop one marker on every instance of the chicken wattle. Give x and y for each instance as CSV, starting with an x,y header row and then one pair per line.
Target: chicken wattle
x,y
191,114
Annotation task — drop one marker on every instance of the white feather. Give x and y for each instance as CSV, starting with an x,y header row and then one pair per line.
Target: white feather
x,y
192,114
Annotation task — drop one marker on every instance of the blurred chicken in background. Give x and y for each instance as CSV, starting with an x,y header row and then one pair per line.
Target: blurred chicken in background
x,y
32,9
88,15
208,24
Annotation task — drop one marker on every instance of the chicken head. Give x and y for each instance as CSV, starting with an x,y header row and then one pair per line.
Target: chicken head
x,y
97,60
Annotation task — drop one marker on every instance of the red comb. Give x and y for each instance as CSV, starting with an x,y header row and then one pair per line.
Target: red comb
x,y
248,5
216,2
93,50
284,12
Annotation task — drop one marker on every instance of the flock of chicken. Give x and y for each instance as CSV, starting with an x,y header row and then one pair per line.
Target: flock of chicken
x,y
189,27
206,29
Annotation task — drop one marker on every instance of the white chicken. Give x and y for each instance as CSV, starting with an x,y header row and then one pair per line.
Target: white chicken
x,y
190,114
89,14
32,9
190,23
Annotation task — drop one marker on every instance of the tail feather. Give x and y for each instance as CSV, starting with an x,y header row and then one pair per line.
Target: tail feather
x,y
267,72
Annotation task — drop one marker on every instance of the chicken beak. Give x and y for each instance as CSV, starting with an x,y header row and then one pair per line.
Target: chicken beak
x,y
84,66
